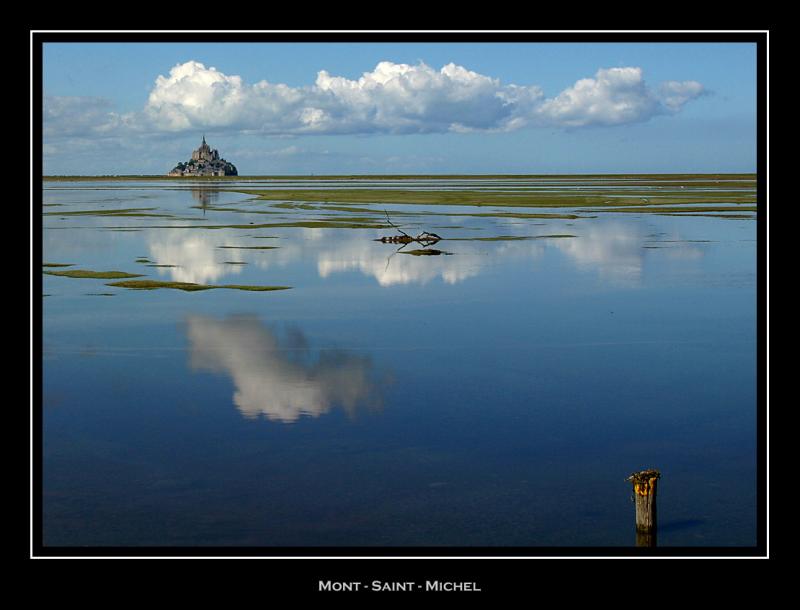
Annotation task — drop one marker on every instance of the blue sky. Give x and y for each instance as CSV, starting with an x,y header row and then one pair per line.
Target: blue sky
x,y
360,108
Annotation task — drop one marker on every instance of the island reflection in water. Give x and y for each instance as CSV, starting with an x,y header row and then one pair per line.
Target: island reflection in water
x,y
205,195
278,377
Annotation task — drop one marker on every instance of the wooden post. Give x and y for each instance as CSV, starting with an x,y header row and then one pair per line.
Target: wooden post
x,y
644,495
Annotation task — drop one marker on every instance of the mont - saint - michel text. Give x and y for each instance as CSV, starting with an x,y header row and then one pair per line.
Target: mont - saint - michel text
x,y
381,586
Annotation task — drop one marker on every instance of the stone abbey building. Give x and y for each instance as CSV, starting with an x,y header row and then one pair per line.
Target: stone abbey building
x,y
205,162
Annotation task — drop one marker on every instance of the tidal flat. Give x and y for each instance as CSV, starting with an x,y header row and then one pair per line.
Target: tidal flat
x,y
556,334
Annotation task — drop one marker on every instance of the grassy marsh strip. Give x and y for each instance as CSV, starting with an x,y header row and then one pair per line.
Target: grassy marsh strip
x,y
482,198
122,212
86,274
674,210
352,223
301,224
189,287
712,215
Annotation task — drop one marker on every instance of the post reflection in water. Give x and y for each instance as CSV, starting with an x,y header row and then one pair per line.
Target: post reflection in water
x,y
278,377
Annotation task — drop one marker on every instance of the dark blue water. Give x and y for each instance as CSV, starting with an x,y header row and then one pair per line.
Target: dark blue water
x,y
495,395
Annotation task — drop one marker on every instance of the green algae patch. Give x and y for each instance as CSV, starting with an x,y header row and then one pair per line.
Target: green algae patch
x,y
508,198
344,208
521,215
215,208
305,224
675,210
294,206
147,212
98,275
189,287
367,223
154,284
709,215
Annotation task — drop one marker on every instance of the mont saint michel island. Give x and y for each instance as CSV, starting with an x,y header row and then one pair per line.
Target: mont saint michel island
x,y
204,162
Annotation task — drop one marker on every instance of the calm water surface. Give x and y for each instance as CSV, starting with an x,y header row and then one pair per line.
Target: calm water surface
x,y
497,393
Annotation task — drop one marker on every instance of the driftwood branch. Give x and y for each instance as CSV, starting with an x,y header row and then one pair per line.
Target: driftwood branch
x,y
425,238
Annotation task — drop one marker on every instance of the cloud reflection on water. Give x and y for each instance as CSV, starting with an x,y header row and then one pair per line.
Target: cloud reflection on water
x,y
195,257
401,269
613,250
278,377
616,251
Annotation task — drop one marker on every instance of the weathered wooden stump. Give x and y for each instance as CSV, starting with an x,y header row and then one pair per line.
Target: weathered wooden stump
x,y
644,495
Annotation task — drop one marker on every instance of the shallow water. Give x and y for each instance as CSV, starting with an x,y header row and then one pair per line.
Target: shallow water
x,y
495,394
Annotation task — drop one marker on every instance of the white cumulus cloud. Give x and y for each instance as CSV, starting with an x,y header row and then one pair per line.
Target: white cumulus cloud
x,y
82,116
674,94
393,98
615,96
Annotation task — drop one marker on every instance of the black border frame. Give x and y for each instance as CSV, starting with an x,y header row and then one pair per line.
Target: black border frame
x,y
35,538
